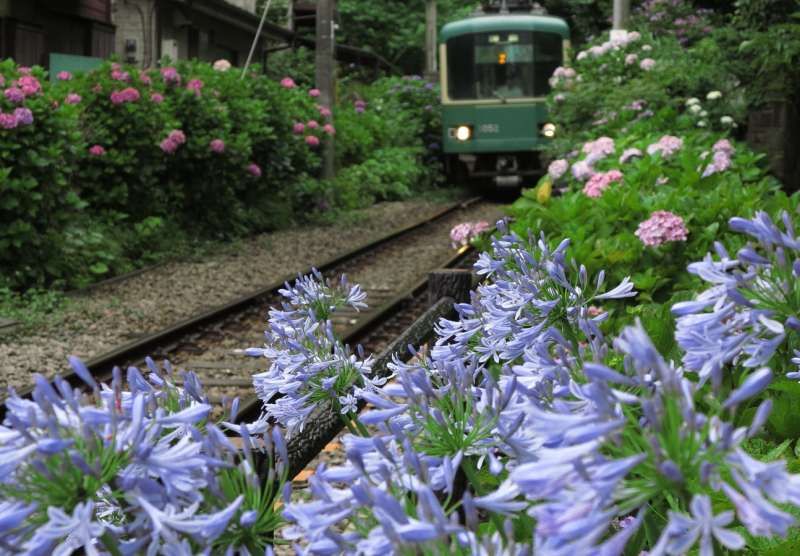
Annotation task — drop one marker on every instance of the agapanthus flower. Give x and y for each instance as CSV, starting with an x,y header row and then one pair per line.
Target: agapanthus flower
x,y
138,471
662,227
557,168
307,363
667,146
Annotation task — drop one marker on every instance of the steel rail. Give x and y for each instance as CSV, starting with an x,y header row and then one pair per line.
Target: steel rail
x,y
102,365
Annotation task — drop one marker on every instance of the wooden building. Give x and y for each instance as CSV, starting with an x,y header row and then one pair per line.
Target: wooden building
x,y
30,30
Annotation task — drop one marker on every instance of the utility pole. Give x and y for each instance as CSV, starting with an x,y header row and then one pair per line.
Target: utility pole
x,y
430,40
622,9
326,75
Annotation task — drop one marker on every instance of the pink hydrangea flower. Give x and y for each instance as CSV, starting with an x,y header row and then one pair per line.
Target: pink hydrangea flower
x,y
462,234
115,66
312,124
666,146
24,70
647,64
178,136
599,148
288,83
119,75
168,146
254,170
325,112
723,145
64,76
222,65
720,160
557,168
662,227
157,98
145,78
170,76
628,154
312,141
125,95
217,146
631,59
8,121
97,88
560,97
97,150
73,98
14,94
582,170
195,85
299,127
315,92
360,106
329,129
600,182
24,116
29,85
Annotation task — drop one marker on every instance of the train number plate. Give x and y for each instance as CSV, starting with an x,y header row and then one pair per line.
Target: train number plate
x,y
489,128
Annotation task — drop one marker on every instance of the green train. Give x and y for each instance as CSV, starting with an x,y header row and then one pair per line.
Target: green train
x,y
495,68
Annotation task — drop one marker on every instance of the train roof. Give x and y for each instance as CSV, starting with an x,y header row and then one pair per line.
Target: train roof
x,y
504,22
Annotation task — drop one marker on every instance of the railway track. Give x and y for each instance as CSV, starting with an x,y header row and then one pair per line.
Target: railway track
x,y
206,342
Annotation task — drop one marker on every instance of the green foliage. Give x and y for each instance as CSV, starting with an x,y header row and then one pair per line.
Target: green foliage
x,y
587,18
394,29
37,164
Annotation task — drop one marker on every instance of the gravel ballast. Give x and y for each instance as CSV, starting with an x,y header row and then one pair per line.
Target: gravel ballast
x,y
118,313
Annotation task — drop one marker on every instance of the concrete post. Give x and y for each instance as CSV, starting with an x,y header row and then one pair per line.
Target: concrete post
x,y
622,10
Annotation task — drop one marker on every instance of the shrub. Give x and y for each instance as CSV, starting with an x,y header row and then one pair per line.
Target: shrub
x,y
39,154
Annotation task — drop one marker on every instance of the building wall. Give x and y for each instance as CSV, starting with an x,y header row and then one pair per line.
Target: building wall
x,y
181,31
32,29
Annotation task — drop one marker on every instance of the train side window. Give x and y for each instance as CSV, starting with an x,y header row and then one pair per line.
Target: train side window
x,y
461,68
548,55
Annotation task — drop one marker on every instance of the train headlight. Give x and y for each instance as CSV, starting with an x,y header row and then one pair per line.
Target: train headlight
x,y
549,130
463,133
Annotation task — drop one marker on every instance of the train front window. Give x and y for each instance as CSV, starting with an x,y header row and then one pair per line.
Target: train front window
x,y
502,65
